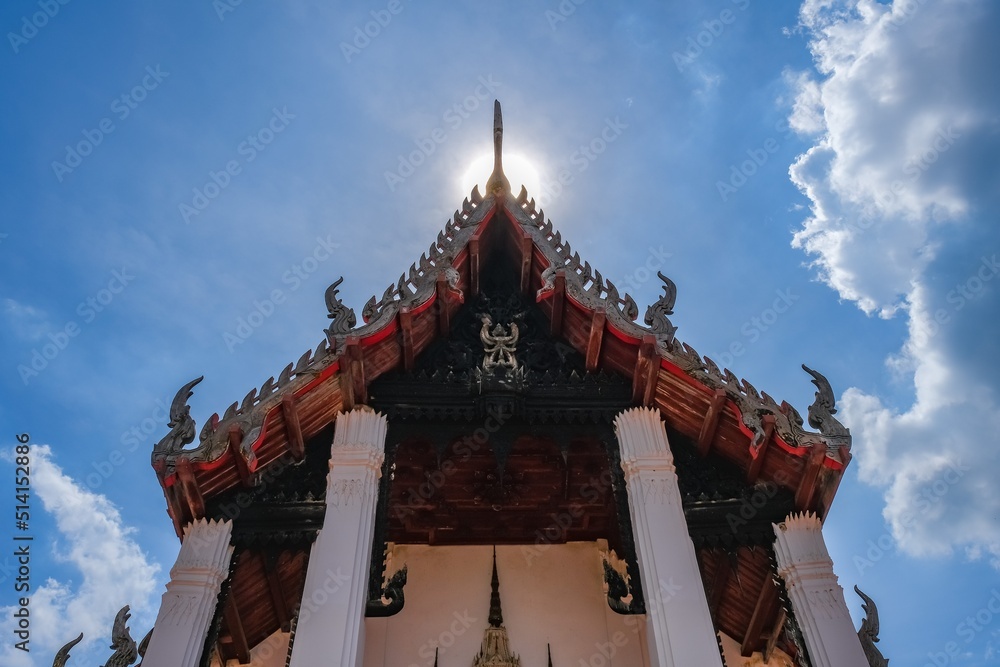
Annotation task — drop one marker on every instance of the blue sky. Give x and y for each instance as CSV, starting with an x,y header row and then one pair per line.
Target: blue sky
x,y
170,170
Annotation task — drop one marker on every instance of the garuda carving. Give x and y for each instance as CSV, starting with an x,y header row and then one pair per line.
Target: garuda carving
x,y
499,346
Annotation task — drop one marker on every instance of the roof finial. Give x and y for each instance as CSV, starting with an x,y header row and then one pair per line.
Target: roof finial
x,y
496,615
498,181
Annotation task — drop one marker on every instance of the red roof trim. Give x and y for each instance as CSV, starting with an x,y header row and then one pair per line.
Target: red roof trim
x,y
622,336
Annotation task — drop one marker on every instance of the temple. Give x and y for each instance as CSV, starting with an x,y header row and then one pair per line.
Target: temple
x,y
500,422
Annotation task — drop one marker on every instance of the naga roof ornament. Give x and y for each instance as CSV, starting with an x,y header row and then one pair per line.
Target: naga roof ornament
x,y
343,317
824,407
868,632
126,651
181,423
63,655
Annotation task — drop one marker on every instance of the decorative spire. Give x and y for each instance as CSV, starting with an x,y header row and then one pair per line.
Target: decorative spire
x,y
495,651
496,614
550,654
497,182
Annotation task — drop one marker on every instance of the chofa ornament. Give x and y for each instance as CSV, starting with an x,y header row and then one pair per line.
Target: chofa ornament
x,y
126,650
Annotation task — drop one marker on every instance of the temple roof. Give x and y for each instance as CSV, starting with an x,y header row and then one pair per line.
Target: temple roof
x,y
716,421
585,310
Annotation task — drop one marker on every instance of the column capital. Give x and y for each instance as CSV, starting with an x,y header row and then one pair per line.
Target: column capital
x,y
359,439
642,437
800,548
205,550
817,598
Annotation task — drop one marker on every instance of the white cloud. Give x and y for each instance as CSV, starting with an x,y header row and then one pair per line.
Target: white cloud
x,y
109,567
903,108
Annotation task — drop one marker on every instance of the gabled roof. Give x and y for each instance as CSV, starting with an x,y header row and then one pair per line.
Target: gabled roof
x,y
714,408
717,423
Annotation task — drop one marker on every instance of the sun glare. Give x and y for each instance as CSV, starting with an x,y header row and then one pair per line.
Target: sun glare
x,y
519,170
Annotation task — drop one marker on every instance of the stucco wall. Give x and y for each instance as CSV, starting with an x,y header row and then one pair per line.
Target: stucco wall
x,y
550,595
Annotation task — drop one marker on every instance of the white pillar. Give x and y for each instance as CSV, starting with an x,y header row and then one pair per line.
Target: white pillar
x,y
679,624
188,606
817,599
330,625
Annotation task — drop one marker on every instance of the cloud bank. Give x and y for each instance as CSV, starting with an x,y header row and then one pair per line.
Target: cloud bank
x,y
902,181
113,571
